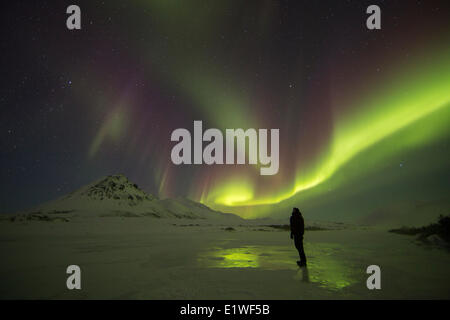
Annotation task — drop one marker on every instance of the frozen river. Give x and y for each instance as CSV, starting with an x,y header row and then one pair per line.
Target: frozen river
x,y
144,258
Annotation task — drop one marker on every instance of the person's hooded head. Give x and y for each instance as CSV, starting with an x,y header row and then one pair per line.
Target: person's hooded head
x,y
296,212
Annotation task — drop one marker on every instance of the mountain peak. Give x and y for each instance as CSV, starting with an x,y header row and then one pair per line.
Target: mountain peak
x,y
113,187
116,196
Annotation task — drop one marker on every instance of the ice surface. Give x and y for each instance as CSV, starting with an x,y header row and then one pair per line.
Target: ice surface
x,y
149,258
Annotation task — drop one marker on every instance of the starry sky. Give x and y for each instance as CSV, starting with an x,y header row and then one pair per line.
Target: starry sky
x,y
363,114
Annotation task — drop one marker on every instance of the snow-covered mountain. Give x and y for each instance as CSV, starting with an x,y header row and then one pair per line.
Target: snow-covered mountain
x,y
115,195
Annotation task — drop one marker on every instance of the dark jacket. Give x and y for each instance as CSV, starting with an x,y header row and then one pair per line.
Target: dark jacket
x,y
297,224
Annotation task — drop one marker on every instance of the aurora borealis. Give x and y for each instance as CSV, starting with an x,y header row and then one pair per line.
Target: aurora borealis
x,y
354,107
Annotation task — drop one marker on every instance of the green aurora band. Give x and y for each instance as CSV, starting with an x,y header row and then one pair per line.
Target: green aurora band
x,y
403,101
407,97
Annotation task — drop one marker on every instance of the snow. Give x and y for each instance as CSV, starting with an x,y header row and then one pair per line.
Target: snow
x,y
148,258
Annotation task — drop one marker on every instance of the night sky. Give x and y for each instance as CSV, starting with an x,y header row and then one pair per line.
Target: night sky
x,y
363,114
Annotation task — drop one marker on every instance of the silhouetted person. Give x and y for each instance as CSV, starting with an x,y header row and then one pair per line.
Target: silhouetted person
x,y
297,231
